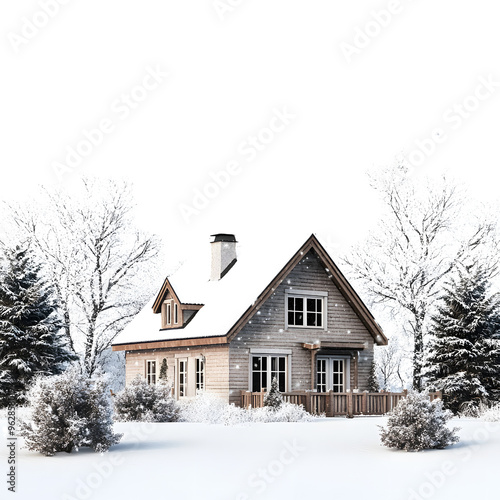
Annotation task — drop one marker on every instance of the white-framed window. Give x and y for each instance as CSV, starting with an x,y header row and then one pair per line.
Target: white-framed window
x,y
151,371
200,374
305,309
176,313
332,373
321,374
169,313
182,377
264,367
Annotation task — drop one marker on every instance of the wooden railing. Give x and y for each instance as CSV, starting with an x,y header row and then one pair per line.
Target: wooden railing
x,y
336,403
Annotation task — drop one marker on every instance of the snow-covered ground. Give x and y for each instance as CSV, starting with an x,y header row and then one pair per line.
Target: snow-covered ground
x,y
327,458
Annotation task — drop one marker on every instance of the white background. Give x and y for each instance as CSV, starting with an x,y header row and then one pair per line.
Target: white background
x,y
228,70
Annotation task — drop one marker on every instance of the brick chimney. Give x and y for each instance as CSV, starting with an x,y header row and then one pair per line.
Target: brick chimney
x,y
223,255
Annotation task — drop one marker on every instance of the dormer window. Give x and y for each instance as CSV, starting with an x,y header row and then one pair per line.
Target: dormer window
x,y
176,313
169,313
305,309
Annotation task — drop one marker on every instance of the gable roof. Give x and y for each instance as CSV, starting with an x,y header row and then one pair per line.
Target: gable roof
x,y
228,304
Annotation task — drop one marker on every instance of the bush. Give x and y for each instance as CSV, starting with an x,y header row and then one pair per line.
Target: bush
x,y
491,414
143,402
418,424
210,409
69,411
287,412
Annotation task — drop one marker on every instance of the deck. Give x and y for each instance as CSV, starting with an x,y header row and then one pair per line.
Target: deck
x,y
334,404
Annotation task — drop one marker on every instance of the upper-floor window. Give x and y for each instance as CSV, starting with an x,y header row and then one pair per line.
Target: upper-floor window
x,y
169,313
305,309
176,313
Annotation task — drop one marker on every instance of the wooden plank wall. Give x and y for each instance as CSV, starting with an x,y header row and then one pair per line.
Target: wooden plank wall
x,y
267,330
216,369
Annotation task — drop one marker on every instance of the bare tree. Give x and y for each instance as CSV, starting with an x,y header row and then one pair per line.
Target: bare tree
x,y
390,365
97,259
415,246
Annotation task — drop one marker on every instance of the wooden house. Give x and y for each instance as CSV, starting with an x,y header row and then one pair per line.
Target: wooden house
x,y
237,317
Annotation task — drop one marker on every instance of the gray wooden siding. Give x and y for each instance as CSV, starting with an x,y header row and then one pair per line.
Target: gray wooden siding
x,y
267,329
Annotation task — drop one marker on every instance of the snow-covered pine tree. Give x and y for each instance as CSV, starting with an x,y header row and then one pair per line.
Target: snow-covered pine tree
x,y
30,340
273,397
69,411
417,423
464,350
372,379
163,370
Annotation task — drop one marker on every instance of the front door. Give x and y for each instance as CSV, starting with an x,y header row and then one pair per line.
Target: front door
x,y
332,374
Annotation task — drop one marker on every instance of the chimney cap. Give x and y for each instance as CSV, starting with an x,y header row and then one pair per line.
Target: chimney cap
x,y
223,237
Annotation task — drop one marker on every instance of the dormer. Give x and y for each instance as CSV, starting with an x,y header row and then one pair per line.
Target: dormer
x,y
171,313
175,314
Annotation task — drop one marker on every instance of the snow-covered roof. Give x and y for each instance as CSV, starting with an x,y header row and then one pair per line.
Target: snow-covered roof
x,y
229,301
224,301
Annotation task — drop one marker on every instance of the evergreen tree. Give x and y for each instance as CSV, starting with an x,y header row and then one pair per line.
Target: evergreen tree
x,y
464,350
273,398
372,379
163,370
30,340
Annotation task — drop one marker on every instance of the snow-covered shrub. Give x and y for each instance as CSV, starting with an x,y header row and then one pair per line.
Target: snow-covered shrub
x,y
491,414
210,409
69,411
143,402
287,412
417,423
273,398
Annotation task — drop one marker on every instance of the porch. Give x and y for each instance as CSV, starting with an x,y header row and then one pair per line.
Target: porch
x,y
334,404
